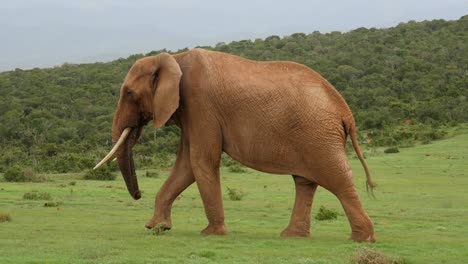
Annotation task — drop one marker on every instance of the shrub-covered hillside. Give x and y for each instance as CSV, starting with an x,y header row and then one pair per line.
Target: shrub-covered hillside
x,y
401,83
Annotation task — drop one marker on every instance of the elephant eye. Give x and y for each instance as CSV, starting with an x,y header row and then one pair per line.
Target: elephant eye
x,y
155,79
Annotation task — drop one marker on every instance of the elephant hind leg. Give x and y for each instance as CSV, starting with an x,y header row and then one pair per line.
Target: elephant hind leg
x,y
299,225
339,181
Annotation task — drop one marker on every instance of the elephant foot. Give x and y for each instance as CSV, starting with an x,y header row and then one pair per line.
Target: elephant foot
x,y
215,230
163,225
295,232
362,237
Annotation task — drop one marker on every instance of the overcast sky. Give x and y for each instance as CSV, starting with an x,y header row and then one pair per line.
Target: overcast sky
x,y
44,33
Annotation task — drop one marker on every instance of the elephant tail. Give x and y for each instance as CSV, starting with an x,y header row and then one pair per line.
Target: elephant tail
x,y
350,128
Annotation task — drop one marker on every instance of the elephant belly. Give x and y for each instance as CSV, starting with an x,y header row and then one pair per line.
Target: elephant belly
x,y
288,147
265,153
263,164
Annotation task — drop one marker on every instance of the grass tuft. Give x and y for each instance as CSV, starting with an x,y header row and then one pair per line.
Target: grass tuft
x,y
158,230
237,168
35,195
52,204
206,254
235,194
5,217
326,214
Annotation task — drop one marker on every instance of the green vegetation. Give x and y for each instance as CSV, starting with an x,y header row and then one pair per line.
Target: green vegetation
x,y
152,174
405,85
420,215
17,174
234,194
232,165
158,230
14,174
35,195
236,167
52,204
102,174
326,214
391,150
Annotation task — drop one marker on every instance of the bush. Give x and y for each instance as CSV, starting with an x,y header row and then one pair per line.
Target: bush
x,y
236,168
32,176
392,150
234,194
14,174
73,162
406,136
326,214
101,174
426,141
113,166
35,195
52,204
232,165
5,217
29,173
431,135
152,174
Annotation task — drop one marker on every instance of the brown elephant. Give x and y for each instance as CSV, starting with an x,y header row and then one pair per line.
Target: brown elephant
x,y
278,117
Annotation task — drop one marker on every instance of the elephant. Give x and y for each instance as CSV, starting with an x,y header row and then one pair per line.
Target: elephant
x,y
278,117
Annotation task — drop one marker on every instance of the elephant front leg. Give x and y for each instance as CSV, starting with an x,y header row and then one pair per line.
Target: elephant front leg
x,y
299,226
206,171
180,178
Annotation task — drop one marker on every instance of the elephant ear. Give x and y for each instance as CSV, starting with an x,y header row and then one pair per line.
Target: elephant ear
x,y
166,93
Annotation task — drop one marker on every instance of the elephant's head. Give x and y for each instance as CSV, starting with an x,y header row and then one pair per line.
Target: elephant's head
x,y
150,91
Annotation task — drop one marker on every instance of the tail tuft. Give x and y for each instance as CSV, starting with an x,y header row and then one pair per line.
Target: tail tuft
x,y
370,188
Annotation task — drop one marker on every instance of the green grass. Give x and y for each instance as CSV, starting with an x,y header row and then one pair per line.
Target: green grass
x,y
420,215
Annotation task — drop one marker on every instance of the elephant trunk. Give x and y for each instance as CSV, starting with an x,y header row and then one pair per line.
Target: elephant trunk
x,y
126,164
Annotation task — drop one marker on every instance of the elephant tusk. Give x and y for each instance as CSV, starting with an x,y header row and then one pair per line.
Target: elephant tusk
x,y
109,155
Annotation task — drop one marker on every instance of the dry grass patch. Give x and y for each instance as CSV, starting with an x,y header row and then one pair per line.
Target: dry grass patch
x,y
5,217
366,255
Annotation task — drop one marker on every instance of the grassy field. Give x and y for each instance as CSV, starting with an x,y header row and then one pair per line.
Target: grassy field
x,y
420,216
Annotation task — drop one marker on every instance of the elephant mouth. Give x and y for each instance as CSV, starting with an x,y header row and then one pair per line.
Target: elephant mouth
x,y
123,150
145,117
